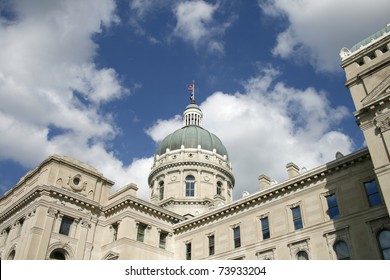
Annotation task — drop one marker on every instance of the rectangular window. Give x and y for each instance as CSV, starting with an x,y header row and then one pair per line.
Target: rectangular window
x,y
373,195
65,225
265,228
163,240
141,232
190,189
237,237
188,251
333,209
297,218
114,231
211,245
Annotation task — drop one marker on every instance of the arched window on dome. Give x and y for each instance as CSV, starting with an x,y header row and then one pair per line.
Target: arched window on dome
x,y
219,188
384,243
190,185
161,190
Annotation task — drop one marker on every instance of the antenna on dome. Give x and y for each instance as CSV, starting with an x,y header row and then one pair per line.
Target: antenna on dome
x,y
192,89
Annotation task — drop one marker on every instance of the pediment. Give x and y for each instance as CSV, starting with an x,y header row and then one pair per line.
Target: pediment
x,y
111,256
379,93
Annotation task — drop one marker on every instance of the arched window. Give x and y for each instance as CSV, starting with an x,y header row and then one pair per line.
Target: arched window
x,y
190,185
219,188
302,255
341,250
57,255
384,243
161,190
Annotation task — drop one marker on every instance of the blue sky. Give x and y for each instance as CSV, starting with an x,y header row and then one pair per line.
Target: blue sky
x,y
105,81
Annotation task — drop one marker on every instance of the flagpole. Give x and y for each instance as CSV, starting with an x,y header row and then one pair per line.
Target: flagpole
x,y
193,90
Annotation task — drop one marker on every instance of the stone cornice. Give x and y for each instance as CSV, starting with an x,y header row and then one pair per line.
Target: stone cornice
x,y
52,191
299,181
175,201
185,163
136,203
363,51
366,72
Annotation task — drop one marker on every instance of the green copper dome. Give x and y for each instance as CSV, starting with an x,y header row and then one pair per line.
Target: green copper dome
x,y
190,137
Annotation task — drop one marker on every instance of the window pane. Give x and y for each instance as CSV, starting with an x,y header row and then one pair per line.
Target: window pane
x,y
190,185
141,232
161,190
188,251
372,192
65,225
211,245
333,209
302,255
163,240
237,237
297,219
342,251
384,243
265,228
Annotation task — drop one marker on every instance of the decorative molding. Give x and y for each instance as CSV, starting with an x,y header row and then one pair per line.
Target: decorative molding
x,y
383,125
268,254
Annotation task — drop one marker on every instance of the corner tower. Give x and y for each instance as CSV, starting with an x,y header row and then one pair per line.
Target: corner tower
x,y
191,173
367,70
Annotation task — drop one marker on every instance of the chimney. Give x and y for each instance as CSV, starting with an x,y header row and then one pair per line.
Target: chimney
x,y
264,182
292,170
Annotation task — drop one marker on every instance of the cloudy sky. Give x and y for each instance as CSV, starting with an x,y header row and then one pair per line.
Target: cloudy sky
x,y
104,81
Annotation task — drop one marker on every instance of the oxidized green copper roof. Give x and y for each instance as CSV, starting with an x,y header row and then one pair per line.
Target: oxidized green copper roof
x,y
369,39
190,137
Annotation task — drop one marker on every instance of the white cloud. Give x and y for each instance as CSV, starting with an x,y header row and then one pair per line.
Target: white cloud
x,y
269,125
52,92
317,30
164,127
196,25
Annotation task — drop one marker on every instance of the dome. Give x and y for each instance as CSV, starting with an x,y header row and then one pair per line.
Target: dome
x,y
191,137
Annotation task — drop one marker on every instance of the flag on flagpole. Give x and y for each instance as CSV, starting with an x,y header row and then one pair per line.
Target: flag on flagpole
x,y
192,89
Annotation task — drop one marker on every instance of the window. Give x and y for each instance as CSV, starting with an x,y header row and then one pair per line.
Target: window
x,y
141,232
163,240
302,255
341,250
211,245
219,188
237,237
161,190
66,223
265,228
190,185
384,243
297,218
57,255
188,251
372,192
333,209
114,231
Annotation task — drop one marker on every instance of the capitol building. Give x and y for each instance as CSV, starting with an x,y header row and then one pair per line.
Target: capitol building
x,y
64,209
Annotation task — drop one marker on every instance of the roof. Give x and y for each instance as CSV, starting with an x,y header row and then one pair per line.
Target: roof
x,y
192,136
369,39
